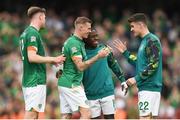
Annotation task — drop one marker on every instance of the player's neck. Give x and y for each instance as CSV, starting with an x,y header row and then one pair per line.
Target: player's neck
x,y
90,47
77,35
35,25
144,33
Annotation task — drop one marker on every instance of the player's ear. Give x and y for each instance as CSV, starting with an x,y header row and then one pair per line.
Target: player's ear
x,y
40,16
80,27
141,24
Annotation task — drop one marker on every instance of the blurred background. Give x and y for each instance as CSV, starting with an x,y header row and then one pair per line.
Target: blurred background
x,y
110,20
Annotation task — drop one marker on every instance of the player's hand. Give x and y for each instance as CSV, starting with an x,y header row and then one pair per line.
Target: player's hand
x,y
104,52
131,81
58,73
124,87
109,48
59,59
121,46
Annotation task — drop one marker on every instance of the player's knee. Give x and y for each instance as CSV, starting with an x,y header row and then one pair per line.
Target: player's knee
x,y
76,115
31,115
35,115
66,116
85,113
89,113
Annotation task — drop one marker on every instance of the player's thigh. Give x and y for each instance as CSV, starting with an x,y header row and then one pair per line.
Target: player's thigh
x,y
64,106
75,97
41,96
147,101
107,104
156,104
35,98
95,108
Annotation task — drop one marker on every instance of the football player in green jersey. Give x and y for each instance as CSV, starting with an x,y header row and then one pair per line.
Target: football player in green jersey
x,y
34,68
71,91
148,65
97,79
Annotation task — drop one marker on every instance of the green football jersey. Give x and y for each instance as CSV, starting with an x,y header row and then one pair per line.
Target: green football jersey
x,y
148,63
33,73
71,76
97,79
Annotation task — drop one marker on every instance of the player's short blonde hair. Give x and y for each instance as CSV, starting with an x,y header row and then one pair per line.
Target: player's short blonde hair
x,y
82,20
33,10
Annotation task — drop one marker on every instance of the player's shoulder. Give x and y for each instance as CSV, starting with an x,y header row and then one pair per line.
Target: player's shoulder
x,y
152,37
72,41
30,31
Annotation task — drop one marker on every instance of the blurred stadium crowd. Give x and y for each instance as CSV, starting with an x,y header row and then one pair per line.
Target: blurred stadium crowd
x,y
59,27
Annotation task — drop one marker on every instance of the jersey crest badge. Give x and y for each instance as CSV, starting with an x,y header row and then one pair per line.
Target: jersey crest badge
x,y
33,38
74,49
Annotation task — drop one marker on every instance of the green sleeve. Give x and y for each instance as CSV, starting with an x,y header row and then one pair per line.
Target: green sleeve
x,y
131,58
113,64
75,49
32,40
152,51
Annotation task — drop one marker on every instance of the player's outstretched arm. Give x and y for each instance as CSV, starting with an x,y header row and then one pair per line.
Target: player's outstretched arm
x,y
123,49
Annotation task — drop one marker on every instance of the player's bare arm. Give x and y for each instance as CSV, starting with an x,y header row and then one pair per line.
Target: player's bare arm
x,y
35,58
82,65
